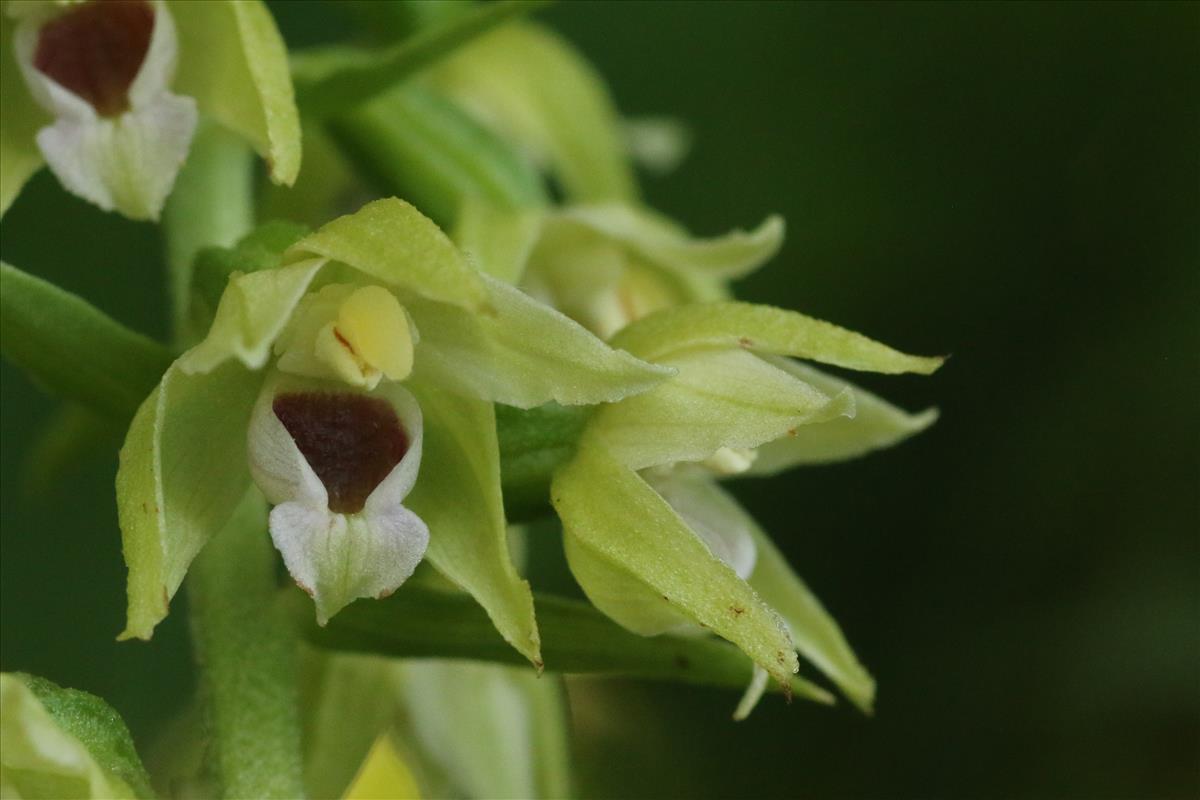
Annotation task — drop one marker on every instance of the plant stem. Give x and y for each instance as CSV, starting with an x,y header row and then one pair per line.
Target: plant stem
x,y
246,651
212,205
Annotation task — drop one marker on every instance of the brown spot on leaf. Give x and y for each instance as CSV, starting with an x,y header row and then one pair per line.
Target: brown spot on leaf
x,y
351,441
746,342
681,661
737,610
95,49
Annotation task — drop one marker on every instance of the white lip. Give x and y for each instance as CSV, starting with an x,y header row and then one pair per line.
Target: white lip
x,y
337,557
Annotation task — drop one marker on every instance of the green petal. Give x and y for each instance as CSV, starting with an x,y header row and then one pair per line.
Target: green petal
x,y
522,353
234,62
733,255
719,398
20,119
182,471
876,424
64,743
395,243
487,730
610,513
497,240
544,97
764,329
252,313
73,349
458,496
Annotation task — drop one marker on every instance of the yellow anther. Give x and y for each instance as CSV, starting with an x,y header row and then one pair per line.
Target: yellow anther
x,y
372,325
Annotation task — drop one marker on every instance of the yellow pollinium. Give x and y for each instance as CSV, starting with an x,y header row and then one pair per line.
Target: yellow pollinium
x,y
370,337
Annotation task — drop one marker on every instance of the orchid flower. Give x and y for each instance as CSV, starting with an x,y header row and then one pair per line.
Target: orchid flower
x,y
108,94
328,377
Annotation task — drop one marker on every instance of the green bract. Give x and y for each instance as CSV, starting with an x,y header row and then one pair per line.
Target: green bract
x,y
64,743
122,151
476,341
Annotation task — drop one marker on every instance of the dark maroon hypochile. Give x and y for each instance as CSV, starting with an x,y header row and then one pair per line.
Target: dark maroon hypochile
x,y
351,441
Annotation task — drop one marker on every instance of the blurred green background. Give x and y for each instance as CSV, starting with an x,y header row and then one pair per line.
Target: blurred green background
x,y
1017,185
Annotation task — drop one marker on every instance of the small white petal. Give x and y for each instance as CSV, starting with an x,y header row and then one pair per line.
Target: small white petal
x,y
338,558
158,66
713,516
754,693
127,163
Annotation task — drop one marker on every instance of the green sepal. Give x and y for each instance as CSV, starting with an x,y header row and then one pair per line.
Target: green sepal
x,y
640,563
766,330
413,143
498,240
65,743
533,444
72,349
542,96
335,79
663,243
876,424
394,243
233,61
458,497
718,398
423,622
20,119
522,353
182,471
815,633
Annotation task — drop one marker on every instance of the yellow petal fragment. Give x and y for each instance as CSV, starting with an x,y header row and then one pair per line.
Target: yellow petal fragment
x,y
384,775
373,323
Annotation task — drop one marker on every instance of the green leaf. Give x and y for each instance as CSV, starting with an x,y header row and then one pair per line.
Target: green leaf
x,y
876,424
416,144
491,731
533,444
542,96
246,650
335,79
522,353
182,471
619,533
423,622
73,349
763,329
64,743
233,61
20,119
457,494
719,398
393,242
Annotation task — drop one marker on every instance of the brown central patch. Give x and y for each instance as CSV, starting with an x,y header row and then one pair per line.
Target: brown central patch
x,y
96,49
351,441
